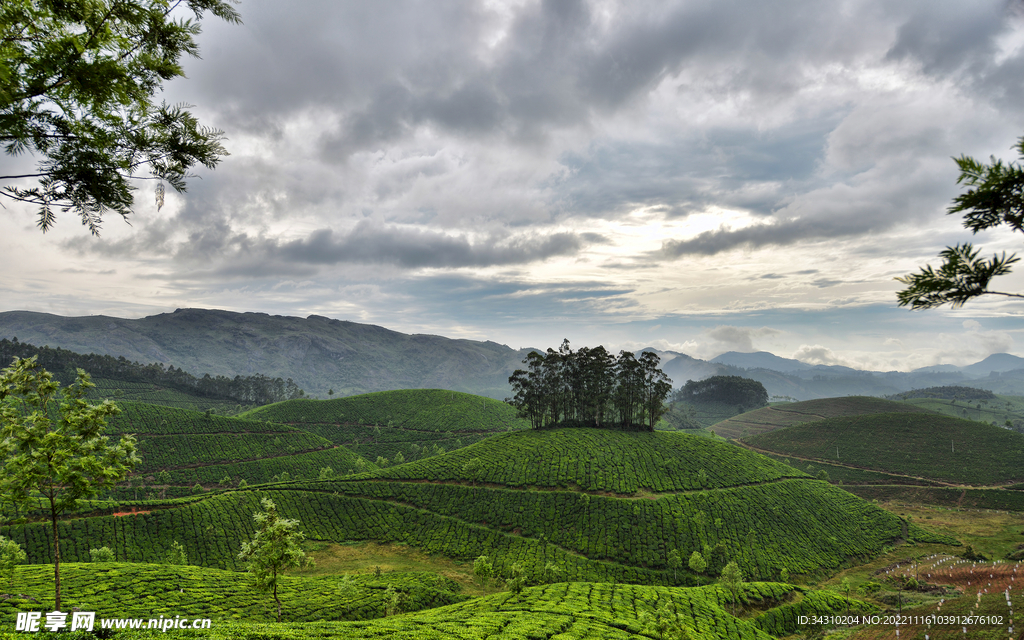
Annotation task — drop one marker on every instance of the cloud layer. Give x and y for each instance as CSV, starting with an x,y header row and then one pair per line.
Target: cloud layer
x,y
505,168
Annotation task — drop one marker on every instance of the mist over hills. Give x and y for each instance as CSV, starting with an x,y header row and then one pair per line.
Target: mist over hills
x,y
321,354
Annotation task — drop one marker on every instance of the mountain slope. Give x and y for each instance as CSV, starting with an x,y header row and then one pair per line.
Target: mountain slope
x,y
318,353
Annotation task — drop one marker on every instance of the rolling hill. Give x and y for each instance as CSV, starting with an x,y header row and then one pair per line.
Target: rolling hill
x,y
415,423
919,445
181,448
788,414
601,505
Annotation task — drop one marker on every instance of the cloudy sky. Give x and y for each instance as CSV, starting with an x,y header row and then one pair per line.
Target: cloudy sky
x,y
696,175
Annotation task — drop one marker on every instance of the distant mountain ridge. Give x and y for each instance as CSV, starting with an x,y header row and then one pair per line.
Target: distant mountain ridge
x,y
318,353
321,354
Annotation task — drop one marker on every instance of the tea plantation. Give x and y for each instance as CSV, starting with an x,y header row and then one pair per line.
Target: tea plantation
x,y
413,422
788,414
613,515
925,445
199,592
561,610
183,448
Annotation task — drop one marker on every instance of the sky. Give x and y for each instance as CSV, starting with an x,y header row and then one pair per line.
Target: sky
x,y
696,176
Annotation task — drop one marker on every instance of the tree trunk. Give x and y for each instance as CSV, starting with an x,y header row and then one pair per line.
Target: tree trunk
x,y
56,558
276,599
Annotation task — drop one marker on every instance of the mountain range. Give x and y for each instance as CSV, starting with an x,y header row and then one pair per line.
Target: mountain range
x,y
323,355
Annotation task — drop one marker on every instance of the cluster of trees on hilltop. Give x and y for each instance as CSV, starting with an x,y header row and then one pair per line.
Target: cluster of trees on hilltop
x,y
946,393
732,390
590,388
256,389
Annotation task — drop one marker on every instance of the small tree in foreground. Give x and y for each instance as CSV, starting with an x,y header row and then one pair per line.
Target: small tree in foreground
x,y
483,569
665,622
675,563
103,554
11,555
516,580
697,562
51,445
732,580
274,548
176,554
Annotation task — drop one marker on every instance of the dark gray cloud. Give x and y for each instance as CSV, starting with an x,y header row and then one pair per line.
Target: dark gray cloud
x,y
419,63
733,168
369,243
217,249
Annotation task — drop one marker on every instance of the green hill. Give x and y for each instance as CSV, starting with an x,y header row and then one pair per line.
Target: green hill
x,y
788,414
414,422
998,410
612,515
561,610
599,460
200,592
151,393
925,445
181,447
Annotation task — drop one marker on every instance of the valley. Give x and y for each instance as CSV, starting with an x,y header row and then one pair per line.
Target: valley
x,y
589,532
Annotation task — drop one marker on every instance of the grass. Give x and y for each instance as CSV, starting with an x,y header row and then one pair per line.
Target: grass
x,y
368,557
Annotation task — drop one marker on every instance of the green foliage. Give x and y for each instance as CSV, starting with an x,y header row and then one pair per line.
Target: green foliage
x,y
197,592
483,569
154,383
79,80
665,622
922,445
603,535
698,564
995,198
52,445
103,554
731,390
176,554
732,580
949,392
11,555
274,548
675,562
393,601
516,579
590,388
552,572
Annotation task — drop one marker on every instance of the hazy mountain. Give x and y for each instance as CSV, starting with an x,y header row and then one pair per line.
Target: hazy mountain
x,y
996,362
318,353
322,354
760,360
